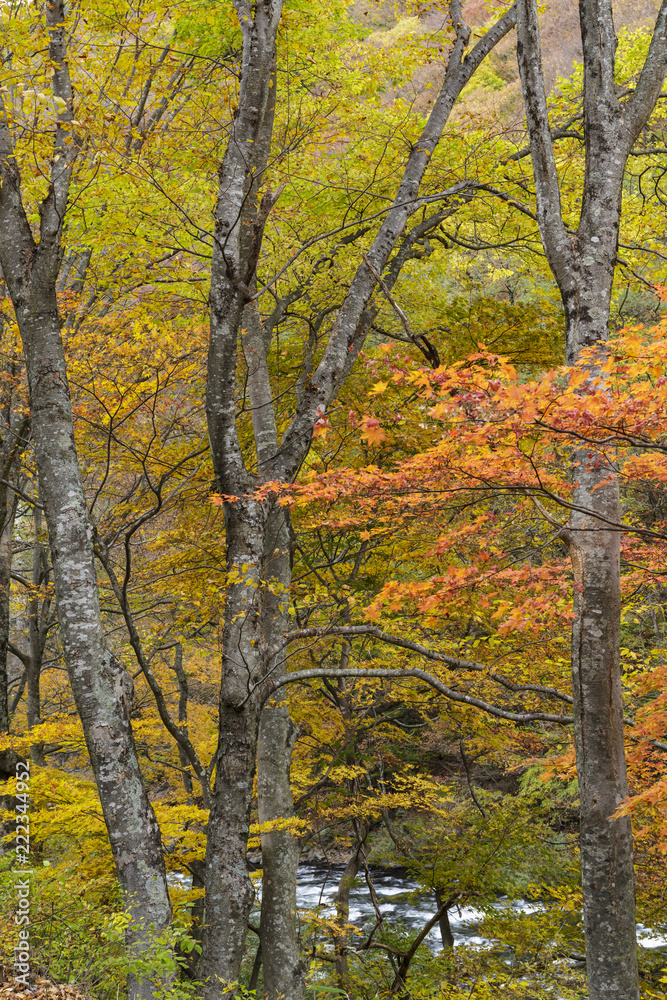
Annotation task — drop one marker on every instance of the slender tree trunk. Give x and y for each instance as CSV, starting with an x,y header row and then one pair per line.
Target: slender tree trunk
x,y
342,917
198,869
7,516
283,968
256,968
182,679
583,264
101,687
255,624
34,619
443,922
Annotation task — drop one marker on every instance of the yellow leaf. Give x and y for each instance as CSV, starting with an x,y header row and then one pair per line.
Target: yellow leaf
x,y
379,388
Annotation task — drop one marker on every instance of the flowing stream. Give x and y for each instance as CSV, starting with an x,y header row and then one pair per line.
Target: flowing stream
x,y
401,901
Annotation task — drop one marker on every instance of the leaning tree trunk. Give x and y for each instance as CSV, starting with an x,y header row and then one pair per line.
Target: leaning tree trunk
x,y
446,934
341,934
101,687
583,264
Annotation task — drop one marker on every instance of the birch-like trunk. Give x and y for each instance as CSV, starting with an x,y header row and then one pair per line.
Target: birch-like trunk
x,y
257,538
101,687
7,515
583,264
283,968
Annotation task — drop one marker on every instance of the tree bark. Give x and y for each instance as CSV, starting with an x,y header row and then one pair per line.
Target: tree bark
x,y
229,892
283,968
606,844
36,625
443,922
583,264
257,532
342,917
101,687
14,435
7,516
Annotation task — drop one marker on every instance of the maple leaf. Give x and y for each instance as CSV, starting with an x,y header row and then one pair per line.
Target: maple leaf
x,y
371,431
321,427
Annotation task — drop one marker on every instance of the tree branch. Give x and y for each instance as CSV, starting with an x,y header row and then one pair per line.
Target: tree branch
x,y
450,693
430,654
349,331
180,734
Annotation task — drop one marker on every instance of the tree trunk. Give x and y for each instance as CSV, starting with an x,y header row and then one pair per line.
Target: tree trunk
x,y
583,265
229,892
256,607
283,968
14,435
34,667
607,871
7,515
182,679
101,687
342,916
443,922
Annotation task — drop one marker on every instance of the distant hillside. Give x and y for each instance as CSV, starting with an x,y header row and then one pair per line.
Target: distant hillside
x,y
389,23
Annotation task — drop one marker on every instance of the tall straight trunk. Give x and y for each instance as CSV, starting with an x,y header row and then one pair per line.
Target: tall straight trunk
x,y
583,264
34,668
101,687
254,620
7,516
606,844
229,892
283,968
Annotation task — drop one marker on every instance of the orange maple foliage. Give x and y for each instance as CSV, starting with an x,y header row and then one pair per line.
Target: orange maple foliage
x,y
501,464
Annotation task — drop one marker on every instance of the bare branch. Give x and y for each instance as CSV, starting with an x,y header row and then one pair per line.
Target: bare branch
x,y
431,654
450,693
